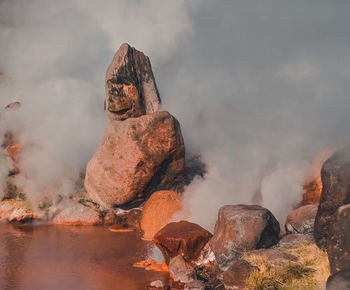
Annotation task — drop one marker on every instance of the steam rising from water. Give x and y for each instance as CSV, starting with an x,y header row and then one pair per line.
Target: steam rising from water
x,y
259,87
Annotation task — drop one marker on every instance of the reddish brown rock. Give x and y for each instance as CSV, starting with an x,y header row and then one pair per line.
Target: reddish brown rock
x,y
76,214
135,158
301,220
182,238
275,257
131,90
335,175
236,276
157,212
339,240
293,239
241,228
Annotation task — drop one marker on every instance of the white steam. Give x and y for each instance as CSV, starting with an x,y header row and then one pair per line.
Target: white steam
x,y
259,87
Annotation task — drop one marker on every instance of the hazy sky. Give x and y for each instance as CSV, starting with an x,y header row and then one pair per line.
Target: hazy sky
x,y
259,87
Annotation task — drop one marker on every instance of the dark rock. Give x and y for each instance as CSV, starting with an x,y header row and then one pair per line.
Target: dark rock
x,y
339,240
241,228
182,238
136,157
131,90
236,276
339,281
335,176
301,220
211,275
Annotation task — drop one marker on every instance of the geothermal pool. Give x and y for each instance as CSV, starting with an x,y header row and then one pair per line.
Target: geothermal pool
x,y
63,257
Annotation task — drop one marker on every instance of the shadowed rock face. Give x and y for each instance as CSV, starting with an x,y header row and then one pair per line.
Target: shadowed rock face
x,y
131,90
339,241
240,228
335,175
182,238
136,157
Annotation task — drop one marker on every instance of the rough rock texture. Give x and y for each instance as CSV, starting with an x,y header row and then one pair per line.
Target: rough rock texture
x,y
182,238
77,214
236,276
301,220
16,211
240,228
339,281
131,90
157,212
181,271
339,240
293,239
335,175
135,158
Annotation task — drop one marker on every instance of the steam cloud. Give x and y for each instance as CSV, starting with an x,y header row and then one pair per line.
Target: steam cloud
x,y
259,87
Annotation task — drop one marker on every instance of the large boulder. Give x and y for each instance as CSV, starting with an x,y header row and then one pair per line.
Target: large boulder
x,y
241,228
339,240
135,158
131,90
335,175
182,238
301,220
157,212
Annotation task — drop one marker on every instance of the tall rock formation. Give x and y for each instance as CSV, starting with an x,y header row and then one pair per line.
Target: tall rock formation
x,y
143,149
335,175
131,90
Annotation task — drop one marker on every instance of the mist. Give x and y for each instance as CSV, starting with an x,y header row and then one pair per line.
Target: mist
x,y
259,88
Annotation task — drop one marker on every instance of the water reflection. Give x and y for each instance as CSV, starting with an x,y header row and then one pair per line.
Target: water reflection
x,y
58,257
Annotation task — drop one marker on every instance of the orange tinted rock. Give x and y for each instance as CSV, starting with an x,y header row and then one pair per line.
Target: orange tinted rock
x,y
135,158
131,90
121,229
157,211
313,185
16,211
182,238
151,265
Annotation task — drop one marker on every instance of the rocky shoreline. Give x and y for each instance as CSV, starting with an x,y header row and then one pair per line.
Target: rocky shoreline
x,y
135,179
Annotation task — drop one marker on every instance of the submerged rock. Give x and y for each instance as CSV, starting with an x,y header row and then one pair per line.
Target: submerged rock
x,y
241,228
335,175
182,238
77,214
131,90
135,158
157,212
301,220
339,240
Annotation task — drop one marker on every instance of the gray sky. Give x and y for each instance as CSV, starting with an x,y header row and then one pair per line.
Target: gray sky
x,y
259,87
